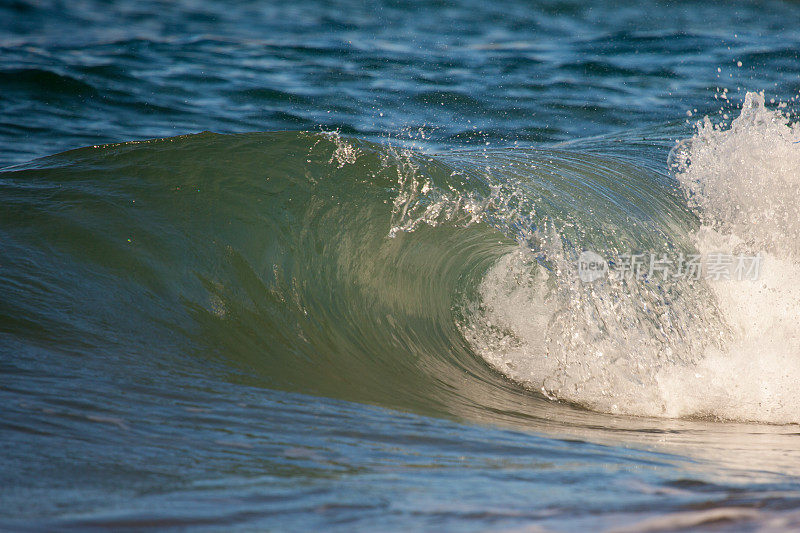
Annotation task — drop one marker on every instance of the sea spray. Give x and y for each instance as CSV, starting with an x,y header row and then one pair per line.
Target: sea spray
x,y
744,182
706,347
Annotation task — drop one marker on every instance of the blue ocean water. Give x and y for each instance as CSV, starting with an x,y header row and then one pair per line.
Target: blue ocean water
x,y
310,265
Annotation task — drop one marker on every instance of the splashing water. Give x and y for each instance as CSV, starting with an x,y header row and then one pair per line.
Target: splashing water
x,y
725,349
744,182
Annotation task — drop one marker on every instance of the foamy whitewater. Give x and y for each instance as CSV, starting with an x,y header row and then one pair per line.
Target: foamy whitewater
x,y
727,348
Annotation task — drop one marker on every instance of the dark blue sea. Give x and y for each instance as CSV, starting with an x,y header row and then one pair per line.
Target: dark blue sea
x,y
399,266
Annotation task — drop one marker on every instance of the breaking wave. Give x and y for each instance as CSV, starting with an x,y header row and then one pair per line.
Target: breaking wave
x,y
334,266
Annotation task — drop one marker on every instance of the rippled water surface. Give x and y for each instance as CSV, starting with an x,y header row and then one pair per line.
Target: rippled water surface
x,y
312,265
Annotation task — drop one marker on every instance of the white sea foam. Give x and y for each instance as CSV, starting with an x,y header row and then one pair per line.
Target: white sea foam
x,y
745,183
728,349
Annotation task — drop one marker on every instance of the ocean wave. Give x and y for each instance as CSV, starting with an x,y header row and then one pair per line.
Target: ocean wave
x,y
442,283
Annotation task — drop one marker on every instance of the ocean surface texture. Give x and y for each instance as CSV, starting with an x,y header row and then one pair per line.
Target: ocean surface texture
x,y
451,266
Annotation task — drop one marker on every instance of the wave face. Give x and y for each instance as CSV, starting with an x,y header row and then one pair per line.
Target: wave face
x,y
339,267
265,255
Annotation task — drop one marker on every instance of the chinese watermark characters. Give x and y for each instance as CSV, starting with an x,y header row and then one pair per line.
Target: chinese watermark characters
x,y
716,266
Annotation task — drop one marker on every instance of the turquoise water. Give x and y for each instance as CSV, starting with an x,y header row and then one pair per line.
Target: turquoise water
x,y
355,305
